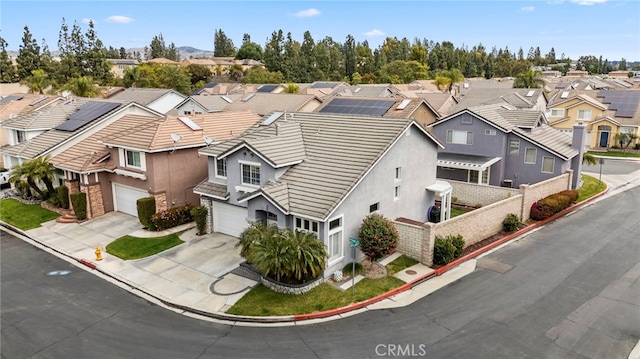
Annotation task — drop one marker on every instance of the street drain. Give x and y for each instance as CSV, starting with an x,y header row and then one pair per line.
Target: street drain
x,y
411,272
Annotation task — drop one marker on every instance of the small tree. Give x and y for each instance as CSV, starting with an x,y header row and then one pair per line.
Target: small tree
x,y
255,232
199,215
146,207
378,236
79,201
62,193
511,223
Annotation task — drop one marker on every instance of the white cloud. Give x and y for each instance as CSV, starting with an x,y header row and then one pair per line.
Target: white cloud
x,y
588,2
374,32
86,21
119,19
308,13
527,8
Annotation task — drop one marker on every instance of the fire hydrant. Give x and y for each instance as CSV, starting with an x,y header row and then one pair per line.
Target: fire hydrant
x,y
98,253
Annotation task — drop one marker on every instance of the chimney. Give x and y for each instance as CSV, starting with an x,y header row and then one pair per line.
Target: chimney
x,y
578,142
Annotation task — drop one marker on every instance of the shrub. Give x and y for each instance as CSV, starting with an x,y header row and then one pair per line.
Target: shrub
x,y
447,249
199,215
79,201
378,236
146,207
62,193
511,223
553,204
572,194
172,217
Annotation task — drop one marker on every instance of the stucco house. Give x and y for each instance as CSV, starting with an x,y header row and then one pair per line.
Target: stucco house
x,y
500,145
120,66
322,173
160,100
140,156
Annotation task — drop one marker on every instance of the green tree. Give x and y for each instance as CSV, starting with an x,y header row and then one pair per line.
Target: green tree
x,y
44,171
292,88
28,58
83,86
37,82
260,75
529,79
399,71
199,73
589,159
256,232
308,254
95,58
378,236
7,71
249,49
222,45
157,47
274,52
350,56
32,171
446,79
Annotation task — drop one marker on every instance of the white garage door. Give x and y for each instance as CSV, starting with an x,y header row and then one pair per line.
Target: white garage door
x,y
126,197
229,219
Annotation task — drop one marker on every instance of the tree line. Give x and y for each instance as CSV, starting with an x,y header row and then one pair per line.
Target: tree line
x,y
84,61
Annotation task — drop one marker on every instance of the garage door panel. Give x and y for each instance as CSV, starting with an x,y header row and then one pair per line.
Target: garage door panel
x,y
229,219
126,198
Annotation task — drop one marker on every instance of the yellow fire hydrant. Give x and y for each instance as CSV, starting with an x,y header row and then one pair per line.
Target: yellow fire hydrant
x,y
98,253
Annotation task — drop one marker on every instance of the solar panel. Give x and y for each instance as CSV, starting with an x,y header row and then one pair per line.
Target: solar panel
x,y
37,101
248,97
86,114
226,98
403,104
358,107
625,103
320,85
189,122
10,98
269,120
266,88
210,85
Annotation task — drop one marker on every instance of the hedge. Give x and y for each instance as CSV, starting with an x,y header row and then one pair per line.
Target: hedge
x,y
172,217
62,192
448,248
553,204
146,207
199,215
79,201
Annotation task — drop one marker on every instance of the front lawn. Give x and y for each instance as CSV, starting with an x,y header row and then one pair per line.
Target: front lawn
x,y
615,154
130,247
590,187
24,216
399,264
262,301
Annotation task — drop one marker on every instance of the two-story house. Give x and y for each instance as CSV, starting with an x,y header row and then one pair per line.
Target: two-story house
x,y
500,145
321,173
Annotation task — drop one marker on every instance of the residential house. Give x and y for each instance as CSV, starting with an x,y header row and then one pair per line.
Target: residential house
x,y
477,93
120,66
370,91
265,103
140,156
323,89
501,145
160,100
321,173
221,88
205,103
203,61
14,109
163,61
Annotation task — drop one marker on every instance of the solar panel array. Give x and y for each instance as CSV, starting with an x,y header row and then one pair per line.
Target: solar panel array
x,y
358,106
266,88
323,85
86,114
625,103
10,98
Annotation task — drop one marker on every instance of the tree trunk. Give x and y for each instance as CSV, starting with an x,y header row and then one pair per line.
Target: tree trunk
x,y
35,187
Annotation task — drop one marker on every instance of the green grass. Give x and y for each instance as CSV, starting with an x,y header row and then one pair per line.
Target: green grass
x,y
457,211
590,187
262,301
615,154
24,216
129,247
399,264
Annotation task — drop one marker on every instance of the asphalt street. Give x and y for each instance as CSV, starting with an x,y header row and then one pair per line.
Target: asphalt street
x,y
567,290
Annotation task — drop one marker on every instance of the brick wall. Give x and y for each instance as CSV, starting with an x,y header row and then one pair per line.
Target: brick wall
x,y
95,206
161,201
472,194
534,192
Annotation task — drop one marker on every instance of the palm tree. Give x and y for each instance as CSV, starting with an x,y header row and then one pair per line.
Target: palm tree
x,y
256,232
308,254
292,88
529,79
83,87
25,172
43,170
589,159
448,78
272,256
37,82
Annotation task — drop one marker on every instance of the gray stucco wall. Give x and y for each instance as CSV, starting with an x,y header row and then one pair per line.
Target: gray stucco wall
x,y
416,154
525,173
234,173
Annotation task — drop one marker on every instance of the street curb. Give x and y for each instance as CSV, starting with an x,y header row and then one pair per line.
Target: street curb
x,y
328,313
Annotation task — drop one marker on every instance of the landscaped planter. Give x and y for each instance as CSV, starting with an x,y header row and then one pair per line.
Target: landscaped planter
x,y
283,287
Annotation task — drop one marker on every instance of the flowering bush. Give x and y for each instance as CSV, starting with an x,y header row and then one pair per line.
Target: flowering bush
x,y
553,204
378,236
172,217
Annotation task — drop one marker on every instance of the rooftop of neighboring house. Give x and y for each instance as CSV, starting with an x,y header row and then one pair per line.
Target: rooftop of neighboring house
x,y
370,90
142,96
73,116
307,143
377,107
323,89
123,61
481,93
163,61
220,88
213,103
7,89
203,61
19,104
153,134
264,103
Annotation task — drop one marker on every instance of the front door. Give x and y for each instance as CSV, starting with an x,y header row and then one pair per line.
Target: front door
x,y
604,139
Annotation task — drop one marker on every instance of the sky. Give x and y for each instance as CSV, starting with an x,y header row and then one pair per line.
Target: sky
x,y
607,28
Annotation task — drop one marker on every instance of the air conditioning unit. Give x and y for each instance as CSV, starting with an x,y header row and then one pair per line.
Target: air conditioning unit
x,y
507,183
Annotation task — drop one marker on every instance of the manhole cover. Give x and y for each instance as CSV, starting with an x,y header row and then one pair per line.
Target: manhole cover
x,y
59,272
411,272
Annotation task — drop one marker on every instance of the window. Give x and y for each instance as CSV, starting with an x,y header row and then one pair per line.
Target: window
x,y
548,164
557,112
584,114
398,173
22,136
474,177
627,130
221,167
374,207
396,192
460,137
335,240
467,121
250,174
133,159
530,154
306,225
490,132
514,147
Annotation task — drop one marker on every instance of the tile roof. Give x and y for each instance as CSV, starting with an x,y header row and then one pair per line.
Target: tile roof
x,y
27,103
263,103
487,96
214,103
155,135
551,139
211,189
142,96
338,152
